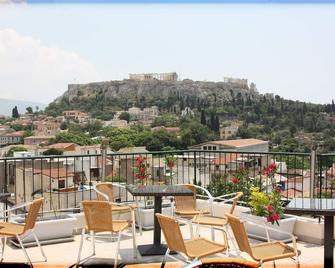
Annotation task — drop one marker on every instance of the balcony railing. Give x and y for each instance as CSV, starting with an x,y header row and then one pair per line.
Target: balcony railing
x,y
68,179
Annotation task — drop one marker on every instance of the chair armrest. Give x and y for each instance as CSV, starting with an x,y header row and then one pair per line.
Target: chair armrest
x,y
17,207
118,185
268,228
101,193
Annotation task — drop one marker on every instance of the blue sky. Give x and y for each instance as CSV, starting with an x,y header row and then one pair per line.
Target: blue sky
x,y
286,49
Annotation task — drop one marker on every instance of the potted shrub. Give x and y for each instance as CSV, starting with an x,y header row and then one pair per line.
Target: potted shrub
x,y
267,208
51,227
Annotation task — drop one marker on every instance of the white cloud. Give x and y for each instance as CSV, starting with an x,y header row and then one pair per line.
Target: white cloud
x,y
31,70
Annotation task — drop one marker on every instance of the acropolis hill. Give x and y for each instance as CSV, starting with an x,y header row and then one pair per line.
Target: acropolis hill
x,y
154,90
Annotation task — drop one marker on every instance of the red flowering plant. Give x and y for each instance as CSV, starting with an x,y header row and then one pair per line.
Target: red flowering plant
x,y
238,181
267,205
170,161
270,172
141,169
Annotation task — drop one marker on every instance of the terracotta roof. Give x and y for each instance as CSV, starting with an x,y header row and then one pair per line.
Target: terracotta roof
x,y
55,173
14,134
239,142
61,145
39,137
226,159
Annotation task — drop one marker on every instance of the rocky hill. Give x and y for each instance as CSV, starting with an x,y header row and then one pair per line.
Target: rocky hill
x,y
165,94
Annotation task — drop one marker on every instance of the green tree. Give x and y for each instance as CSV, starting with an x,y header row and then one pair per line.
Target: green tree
x,y
53,151
29,110
15,112
77,138
125,116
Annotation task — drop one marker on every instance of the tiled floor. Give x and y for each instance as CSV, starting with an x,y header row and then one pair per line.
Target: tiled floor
x,y
65,254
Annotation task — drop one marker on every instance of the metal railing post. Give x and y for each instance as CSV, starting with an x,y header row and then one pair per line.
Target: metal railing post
x,y
194,168
104,145
312,180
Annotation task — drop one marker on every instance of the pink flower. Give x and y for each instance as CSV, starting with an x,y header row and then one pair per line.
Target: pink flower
x,y
275,216
270,208
234,179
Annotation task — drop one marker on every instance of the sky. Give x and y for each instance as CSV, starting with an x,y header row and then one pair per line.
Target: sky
x,y
285,49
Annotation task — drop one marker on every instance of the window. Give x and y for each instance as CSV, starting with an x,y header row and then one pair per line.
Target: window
x,y
214,148
204,148
61,184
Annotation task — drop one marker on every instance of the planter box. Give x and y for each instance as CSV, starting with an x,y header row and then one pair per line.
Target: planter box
x,y
49,230
147,216
286,224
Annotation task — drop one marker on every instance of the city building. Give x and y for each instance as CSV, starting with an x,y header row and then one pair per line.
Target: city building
x,y
240,145
11,138
37,140
228,132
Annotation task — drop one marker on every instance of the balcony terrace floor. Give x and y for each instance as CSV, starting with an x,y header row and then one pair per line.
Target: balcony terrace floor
x,y
65,254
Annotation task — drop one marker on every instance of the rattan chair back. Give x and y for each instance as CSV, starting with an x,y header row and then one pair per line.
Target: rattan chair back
x,y
236,198
98,215
32,214
107,189
172,233
240,234
186,203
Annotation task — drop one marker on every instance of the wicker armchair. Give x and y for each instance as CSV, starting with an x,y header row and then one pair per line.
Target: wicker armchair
x,y
217,221
263,252
105,192
186,206
98,216
193,249
8,229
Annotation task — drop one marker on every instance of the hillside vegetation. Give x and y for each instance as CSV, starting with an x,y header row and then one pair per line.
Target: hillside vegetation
x,y
288,125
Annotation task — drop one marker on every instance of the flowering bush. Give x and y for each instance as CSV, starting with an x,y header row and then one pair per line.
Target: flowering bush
x,y
267,205
230,183
170,161
141,168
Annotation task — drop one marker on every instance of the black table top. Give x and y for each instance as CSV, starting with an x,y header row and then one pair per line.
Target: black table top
x,y
311,206
158,190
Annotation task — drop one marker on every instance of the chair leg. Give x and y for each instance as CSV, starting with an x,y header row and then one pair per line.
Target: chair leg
x,y
3,240
297,262
260,264
117,249
133,228
24,250
39,245
212,234
274,264
165,258
93,241
197,230
81,245
191,229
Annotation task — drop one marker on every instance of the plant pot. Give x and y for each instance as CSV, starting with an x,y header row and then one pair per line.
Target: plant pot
x,y
147,216
49,230
286,224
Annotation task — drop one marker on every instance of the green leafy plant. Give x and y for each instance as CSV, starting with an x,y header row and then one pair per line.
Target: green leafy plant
x,y
230,183
267,205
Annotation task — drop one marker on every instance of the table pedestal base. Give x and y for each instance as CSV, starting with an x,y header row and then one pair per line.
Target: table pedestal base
x,y
152,250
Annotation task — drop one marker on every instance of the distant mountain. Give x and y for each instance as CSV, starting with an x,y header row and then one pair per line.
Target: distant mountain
x,y
6,106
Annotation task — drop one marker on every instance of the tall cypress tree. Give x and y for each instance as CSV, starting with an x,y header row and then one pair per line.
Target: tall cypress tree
x,y
15,112
203,118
